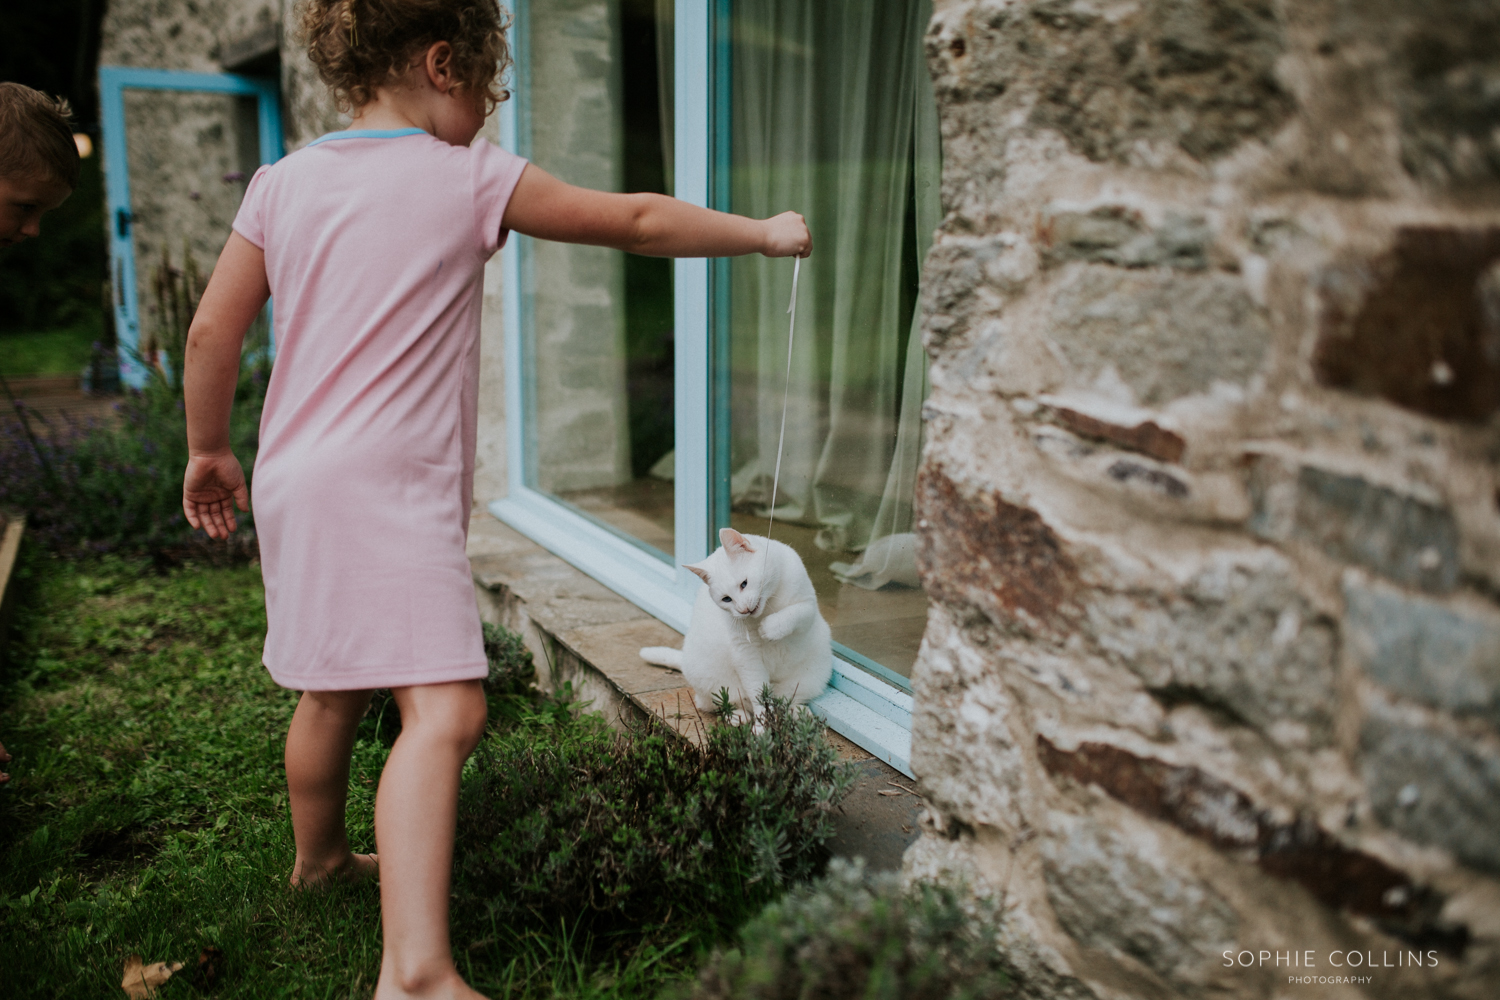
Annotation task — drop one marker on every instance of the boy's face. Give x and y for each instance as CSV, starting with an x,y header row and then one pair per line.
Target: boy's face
x,y
23,200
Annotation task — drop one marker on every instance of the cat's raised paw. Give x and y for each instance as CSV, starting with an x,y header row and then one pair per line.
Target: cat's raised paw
x,y
776,627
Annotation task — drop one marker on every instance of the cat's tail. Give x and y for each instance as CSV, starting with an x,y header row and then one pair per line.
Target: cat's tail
x,y
663,656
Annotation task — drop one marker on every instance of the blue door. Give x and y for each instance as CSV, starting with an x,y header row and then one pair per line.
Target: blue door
x,y
113,82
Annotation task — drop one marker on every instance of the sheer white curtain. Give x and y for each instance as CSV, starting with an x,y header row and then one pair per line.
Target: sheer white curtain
x,y
833,115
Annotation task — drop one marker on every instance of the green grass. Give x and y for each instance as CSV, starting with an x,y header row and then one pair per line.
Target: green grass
x,y
48,352
148,815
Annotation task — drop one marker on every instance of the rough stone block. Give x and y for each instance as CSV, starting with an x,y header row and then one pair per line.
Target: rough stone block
x,y
1208,809
955,270
1238,639
1434,787
1443,654
1119,425
1449,104
1126,471
1196,75
1115,235
1399,536
1120,890
1166,334
991,555
1418,326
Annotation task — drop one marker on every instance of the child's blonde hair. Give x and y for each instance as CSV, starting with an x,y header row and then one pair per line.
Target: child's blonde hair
x,y
358,45
36,135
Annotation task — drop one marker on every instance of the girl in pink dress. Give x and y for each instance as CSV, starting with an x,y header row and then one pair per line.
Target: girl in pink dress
x,y
373,242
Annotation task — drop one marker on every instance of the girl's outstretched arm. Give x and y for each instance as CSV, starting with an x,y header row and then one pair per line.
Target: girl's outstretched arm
x,y
650,224
215,483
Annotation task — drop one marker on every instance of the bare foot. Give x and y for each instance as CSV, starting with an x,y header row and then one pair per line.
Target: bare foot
x,y
353,869
449,986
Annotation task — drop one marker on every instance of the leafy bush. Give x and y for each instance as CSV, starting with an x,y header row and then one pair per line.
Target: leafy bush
x,y
852,936
104,486
116,486
615,833
511,684
510,689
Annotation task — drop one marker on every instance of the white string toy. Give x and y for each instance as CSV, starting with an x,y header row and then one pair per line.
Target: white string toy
x,y
786,394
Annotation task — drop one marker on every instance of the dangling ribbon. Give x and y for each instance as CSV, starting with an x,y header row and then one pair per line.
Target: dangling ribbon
x,y
786,394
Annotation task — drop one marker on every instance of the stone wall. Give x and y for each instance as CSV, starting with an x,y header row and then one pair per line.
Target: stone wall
x,y
1210,506
307,105
190,154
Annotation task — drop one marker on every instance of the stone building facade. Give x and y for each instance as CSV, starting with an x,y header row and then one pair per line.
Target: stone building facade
x,y
1210,502
190,153
1210,498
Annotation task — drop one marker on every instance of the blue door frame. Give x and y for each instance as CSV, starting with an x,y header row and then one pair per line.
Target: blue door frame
x,y
113,82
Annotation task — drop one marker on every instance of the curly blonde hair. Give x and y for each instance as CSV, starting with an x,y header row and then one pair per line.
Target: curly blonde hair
x,y
359,45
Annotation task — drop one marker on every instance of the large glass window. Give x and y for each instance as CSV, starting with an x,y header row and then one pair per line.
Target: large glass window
x,y
832,114
600,321
644,397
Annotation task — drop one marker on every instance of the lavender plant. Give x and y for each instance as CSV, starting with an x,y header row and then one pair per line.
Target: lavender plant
x,y
115,485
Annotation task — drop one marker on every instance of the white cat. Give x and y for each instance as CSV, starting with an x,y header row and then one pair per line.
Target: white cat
x,y
755,623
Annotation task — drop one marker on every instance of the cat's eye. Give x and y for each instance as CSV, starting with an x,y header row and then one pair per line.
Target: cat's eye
x,y
742,584
726,600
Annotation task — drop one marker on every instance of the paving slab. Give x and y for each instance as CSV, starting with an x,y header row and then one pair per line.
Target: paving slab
x,y
878,821
615,650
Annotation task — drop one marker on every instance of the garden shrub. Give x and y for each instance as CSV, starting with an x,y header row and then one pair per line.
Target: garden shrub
x,y
115,486
96,487
510,687
510,690
617,833
854,936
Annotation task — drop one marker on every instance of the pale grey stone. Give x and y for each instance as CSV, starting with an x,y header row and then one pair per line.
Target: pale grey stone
x,y
1239,638
1397,535
1166,334
1119,890
1112,235
1445,655
1434,788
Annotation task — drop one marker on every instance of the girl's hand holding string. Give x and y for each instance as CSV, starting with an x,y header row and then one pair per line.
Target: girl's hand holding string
x,y
787,236
653,225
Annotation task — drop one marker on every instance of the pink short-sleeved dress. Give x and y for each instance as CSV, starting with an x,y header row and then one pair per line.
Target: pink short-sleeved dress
x,y
375,245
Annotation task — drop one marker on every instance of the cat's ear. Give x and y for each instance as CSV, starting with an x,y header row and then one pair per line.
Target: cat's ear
x,y
734,543
702,573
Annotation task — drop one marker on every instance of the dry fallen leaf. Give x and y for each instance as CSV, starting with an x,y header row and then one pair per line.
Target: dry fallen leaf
x,y
887,791
141,981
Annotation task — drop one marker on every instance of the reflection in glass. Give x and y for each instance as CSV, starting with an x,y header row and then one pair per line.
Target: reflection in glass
x,y
600,321
833,115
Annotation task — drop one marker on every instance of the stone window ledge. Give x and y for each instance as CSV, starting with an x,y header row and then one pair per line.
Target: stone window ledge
x,y
582,632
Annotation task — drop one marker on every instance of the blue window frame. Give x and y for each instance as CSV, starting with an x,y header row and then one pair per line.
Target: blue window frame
x,y
113,82
865,702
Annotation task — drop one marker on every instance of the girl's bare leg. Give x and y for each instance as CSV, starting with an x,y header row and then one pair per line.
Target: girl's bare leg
x,y
416,809
318,746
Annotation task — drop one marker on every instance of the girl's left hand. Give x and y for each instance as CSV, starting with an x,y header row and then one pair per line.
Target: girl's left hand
x,y
213,486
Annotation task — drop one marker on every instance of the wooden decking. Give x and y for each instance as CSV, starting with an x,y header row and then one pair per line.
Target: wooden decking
x,y
55,399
